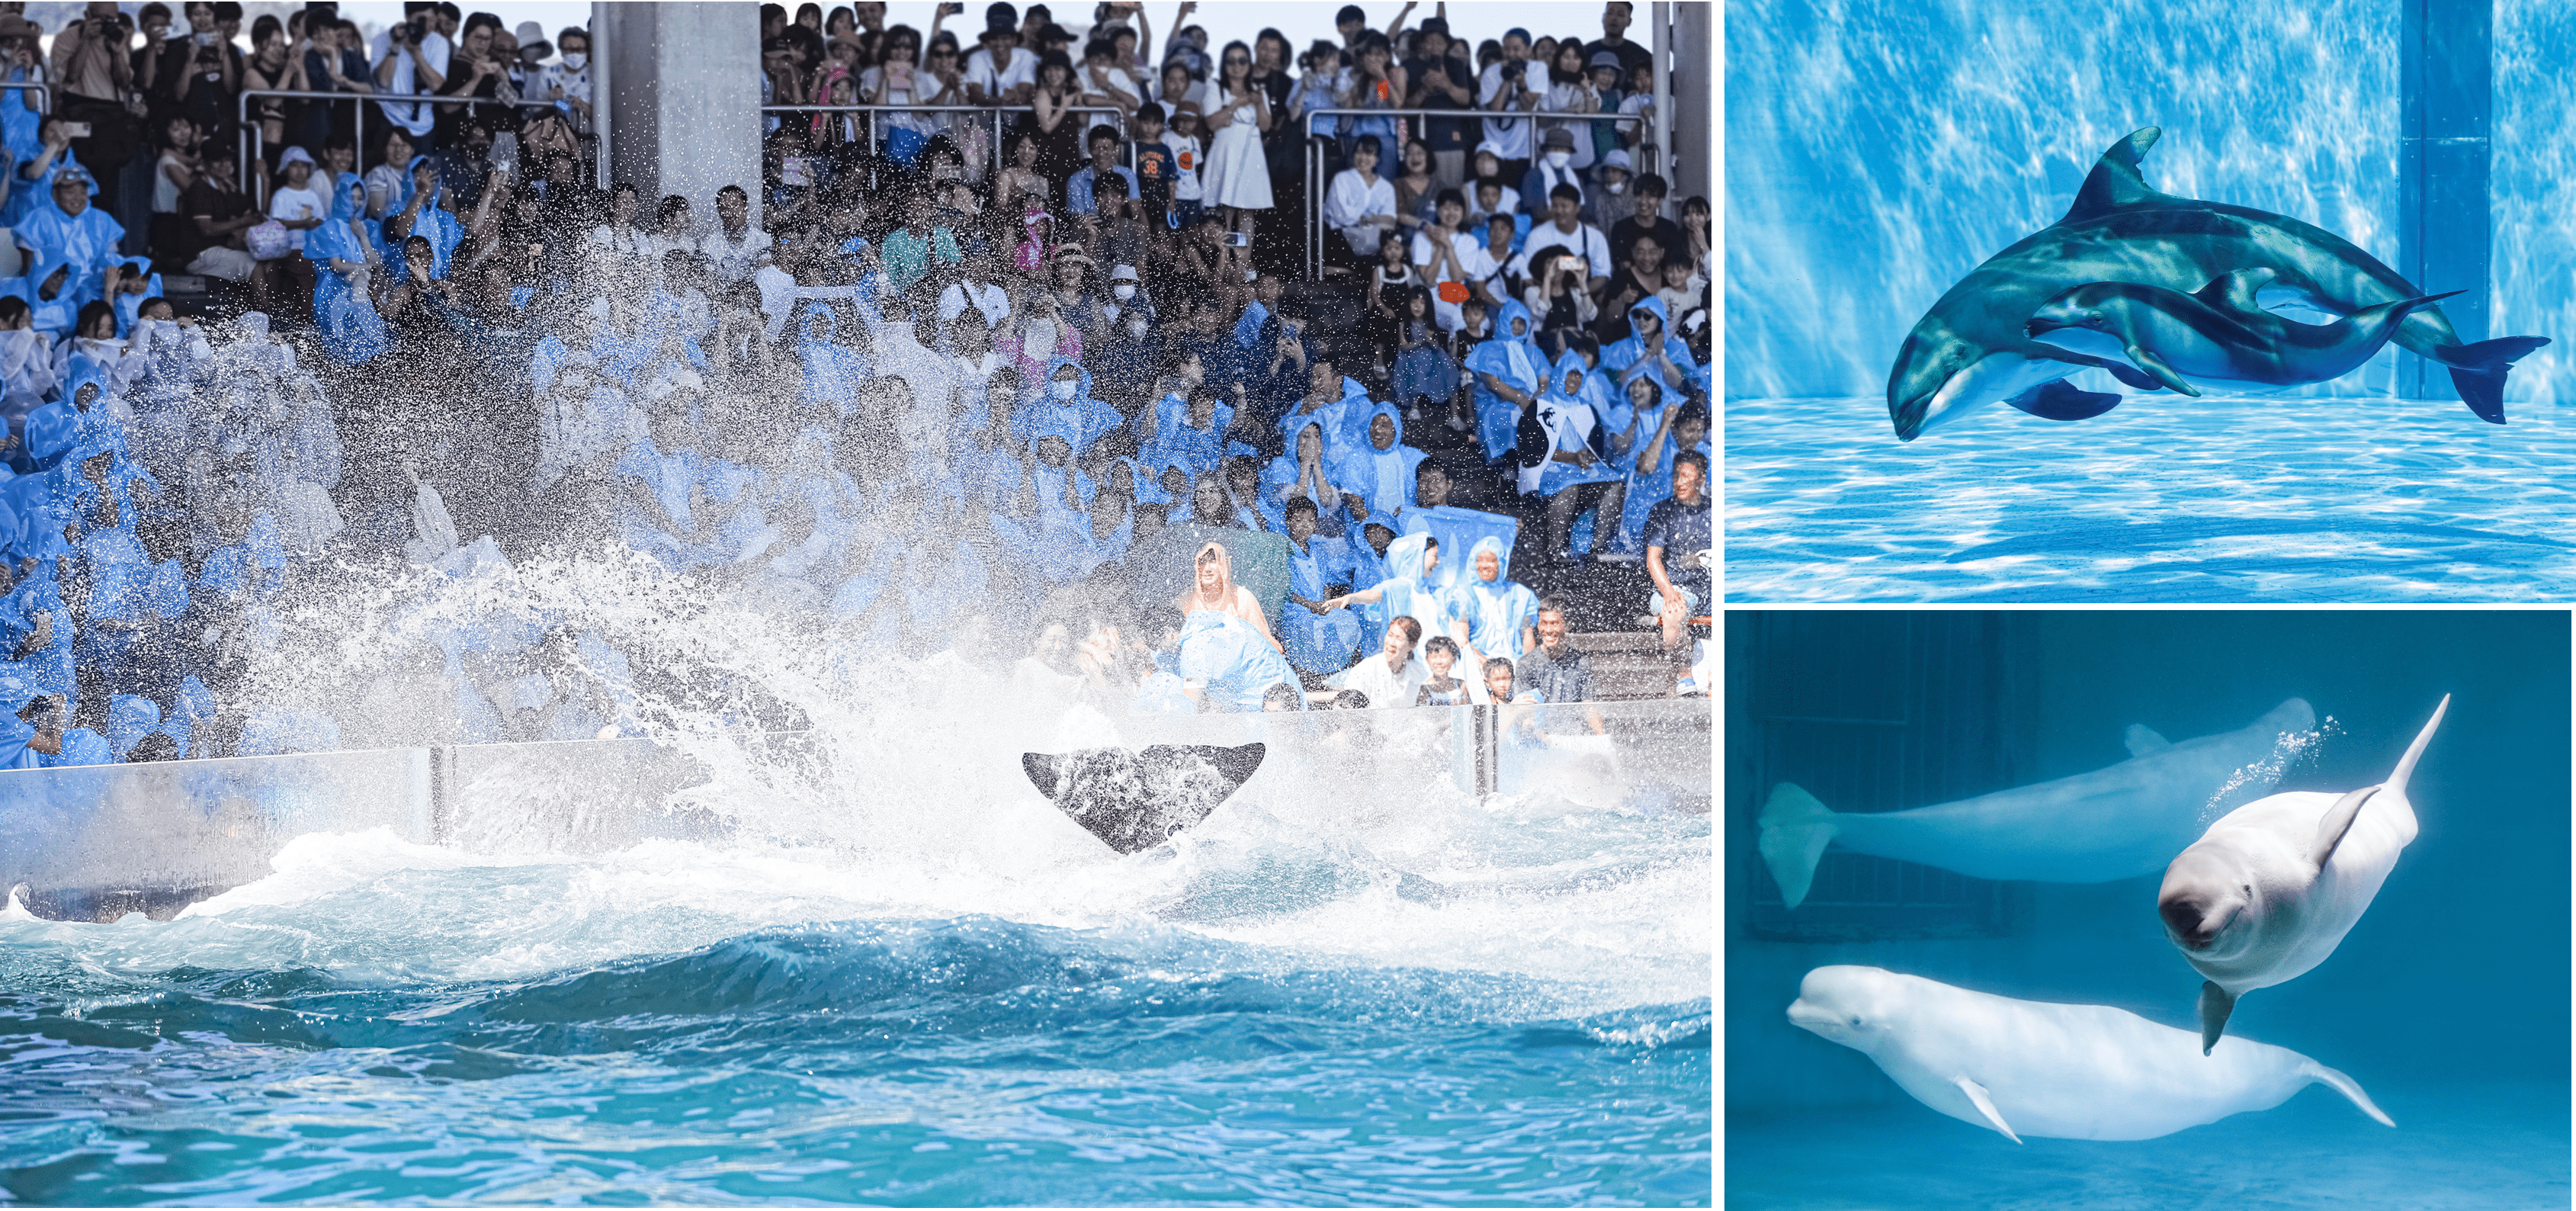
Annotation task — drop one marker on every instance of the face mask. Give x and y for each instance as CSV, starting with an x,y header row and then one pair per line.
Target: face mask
x,y
575,60
1061,390
1123,290
1558,159
1616,186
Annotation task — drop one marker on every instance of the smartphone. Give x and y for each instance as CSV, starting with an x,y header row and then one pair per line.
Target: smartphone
x,y
76,130
1239,239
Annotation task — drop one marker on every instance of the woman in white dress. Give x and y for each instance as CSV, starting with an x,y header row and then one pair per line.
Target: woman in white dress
x,y
1237,176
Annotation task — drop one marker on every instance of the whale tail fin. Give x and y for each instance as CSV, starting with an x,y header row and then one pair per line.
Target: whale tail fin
x,y
2478,370
2322,1075
2406,764
1795,828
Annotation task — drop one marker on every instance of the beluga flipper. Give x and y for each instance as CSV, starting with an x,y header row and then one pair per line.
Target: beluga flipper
x,y
2272,887
1972,348
1134,800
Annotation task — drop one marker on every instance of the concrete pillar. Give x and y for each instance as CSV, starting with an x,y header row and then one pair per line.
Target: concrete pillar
x,y
1694,107
2446,99
683,99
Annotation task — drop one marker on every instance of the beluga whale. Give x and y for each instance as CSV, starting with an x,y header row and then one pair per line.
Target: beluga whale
x,y
1972,348
2219,335
2273,886
2083,1072
1136,799
2118,822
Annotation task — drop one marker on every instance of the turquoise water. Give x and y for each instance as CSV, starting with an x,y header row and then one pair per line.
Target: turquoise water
x,y
2163,499
1259,1016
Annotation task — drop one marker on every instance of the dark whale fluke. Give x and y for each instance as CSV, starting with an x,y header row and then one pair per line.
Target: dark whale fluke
x,y
1135,800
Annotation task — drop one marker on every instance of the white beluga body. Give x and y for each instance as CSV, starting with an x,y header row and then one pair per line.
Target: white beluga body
x,y
2087,1072
2270,890
2121,822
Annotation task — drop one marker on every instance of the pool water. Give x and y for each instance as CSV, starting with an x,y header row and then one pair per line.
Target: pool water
x,y
2165,498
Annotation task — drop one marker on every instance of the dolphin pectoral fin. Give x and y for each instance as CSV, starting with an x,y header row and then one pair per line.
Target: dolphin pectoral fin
x,y
2335,823
2238,291
2215,1004
2143,740
1985,1105
2349,1088
2132,376
2149,362
1795,830
2056,400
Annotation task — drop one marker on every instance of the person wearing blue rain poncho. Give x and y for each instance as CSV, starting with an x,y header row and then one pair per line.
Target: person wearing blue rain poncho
x,y
1509,372
1299,474
1500,612
1066,409
1658,425
38,628
1226,665
1189,433
51,288
1317,640
1650,348
130,717
663,507
834,371
27,375
1339,402
81,237
1409,589
135,287
1377,465
40,153
421,215
81,746
1557,460
819,507
348,248
1055,538
21,745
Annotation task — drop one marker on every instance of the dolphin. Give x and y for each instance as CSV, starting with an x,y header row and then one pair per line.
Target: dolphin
x,y
2115,823
1971,349
2270,889
2085,1072
1134,801
2220,335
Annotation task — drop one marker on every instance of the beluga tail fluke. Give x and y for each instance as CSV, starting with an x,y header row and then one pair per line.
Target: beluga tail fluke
x,y
1973,348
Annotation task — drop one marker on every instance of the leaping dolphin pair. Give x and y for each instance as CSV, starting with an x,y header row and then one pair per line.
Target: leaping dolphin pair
x,y
1975,348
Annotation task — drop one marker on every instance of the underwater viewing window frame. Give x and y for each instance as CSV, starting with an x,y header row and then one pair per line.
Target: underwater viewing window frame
x,y
1876,711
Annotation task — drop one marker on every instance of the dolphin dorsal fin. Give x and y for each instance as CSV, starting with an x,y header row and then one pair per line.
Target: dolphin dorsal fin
x,y
2238,291
2143,740
2115,180
2337,821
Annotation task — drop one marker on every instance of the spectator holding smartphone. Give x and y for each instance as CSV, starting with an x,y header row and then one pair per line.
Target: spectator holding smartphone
x,y
411,60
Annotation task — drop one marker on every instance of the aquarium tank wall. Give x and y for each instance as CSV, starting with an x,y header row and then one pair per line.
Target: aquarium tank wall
x,y
1877,152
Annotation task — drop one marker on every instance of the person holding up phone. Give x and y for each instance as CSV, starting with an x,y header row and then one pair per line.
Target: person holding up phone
x,y
92,77
411,60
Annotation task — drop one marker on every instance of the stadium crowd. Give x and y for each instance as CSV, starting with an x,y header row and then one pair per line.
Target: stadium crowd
x,y
936,383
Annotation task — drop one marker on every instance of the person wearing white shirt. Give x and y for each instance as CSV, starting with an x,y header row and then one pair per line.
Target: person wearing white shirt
x,y
1565,228
294,204
735,247
1505,86
569,80
986,297
1362,204
1390,677
415,66
1001,73
1444,253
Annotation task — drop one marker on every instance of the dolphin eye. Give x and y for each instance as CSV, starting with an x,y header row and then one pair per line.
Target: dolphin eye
x,y
1855,1019
2092,319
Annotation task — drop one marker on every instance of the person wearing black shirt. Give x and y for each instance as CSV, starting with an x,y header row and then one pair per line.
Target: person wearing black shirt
x,y
1439,81
216,213
1678,547
1649,220
1615,17
1636,279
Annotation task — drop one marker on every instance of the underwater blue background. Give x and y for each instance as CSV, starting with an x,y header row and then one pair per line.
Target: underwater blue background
x,y
2448,1002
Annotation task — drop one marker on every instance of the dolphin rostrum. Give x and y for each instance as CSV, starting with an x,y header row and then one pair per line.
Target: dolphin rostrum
x,y
1134,801
1972,349
2221,335
2115,823
2270,890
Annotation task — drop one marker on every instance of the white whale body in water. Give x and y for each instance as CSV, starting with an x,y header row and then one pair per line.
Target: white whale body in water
x,y
2116,823
2272,887
2086,1072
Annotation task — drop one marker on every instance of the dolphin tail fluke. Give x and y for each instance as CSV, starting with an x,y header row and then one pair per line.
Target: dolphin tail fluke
x,y
2348,1087
2406,764
2478,370
1795,830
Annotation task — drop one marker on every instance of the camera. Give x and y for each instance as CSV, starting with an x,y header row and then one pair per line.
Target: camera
x,y
1515,71
401,32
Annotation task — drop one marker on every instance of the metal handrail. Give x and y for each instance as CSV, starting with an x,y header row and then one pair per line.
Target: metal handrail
x,y
252,141
43,90
1119,123
1314,215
